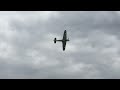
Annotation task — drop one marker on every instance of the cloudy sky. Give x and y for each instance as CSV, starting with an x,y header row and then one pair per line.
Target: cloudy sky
x,y
27,50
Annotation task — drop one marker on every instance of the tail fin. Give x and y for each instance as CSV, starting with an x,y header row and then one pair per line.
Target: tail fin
x,y
55,40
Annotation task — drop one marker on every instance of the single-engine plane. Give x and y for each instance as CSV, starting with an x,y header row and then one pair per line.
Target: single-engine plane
x,y
64,40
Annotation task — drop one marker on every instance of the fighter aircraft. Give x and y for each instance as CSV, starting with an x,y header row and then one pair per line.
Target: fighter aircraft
x,y
64,40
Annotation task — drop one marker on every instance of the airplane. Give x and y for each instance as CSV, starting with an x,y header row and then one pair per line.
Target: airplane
x,y
64,40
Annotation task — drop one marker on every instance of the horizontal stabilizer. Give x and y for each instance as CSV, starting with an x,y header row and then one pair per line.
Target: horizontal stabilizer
x,y
55,40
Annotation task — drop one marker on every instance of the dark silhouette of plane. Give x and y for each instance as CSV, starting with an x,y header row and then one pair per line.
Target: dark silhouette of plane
x,y
64,40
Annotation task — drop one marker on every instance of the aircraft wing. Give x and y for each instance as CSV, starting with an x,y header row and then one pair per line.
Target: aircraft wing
x,y
64,46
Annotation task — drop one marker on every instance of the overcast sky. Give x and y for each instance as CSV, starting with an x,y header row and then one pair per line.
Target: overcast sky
x,y
27,50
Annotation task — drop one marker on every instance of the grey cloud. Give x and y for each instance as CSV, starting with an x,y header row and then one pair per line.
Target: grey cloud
x,y
93,50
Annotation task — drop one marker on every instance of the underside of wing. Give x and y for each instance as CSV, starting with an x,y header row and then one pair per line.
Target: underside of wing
x,y
64,45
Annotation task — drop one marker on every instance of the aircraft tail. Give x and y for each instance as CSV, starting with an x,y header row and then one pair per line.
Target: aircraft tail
x,y
55,40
